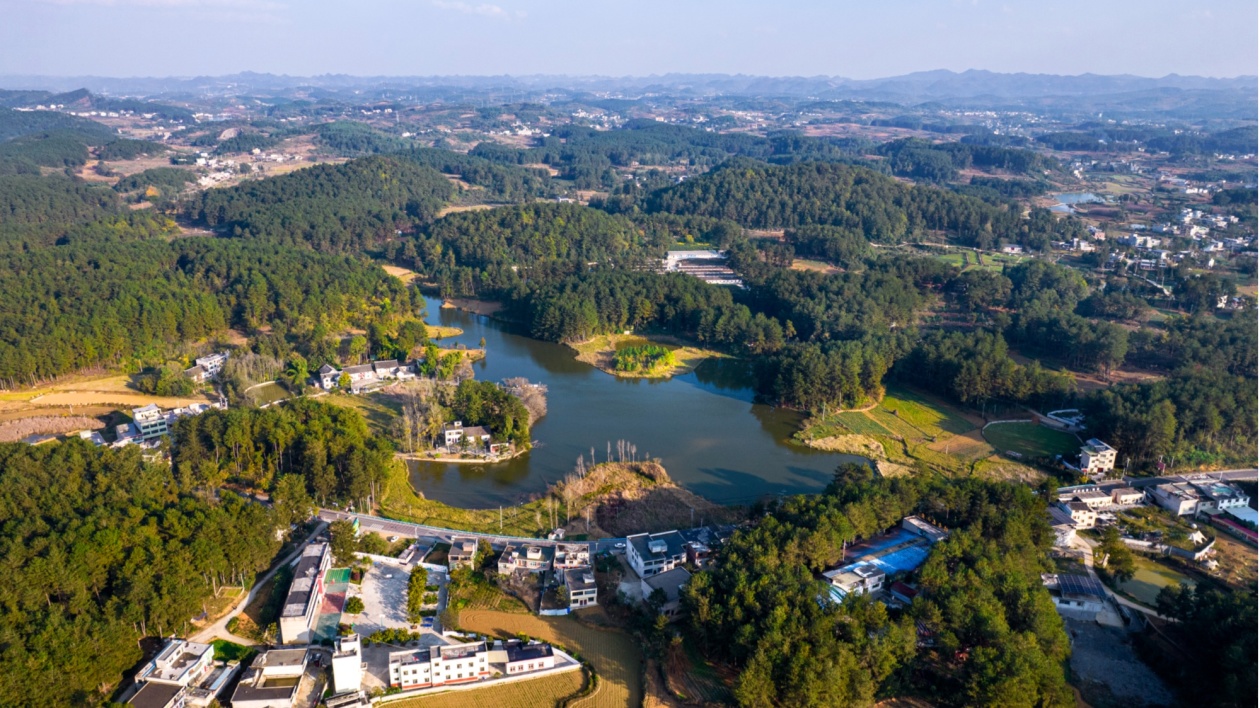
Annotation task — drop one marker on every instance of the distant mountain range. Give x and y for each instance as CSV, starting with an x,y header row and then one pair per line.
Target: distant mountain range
x,y
973,88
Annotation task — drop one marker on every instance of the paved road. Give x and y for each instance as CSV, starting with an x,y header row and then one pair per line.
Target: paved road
x,y
219,629
1225,475
405,528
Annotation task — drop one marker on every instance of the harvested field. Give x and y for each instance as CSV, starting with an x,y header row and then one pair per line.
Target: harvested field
x,y
542,691
614,655
111,392
15,430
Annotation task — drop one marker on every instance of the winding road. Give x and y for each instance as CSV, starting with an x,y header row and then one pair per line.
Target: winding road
x,y
219,629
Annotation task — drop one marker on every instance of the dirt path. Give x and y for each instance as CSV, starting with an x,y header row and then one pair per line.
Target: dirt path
x,y
219,628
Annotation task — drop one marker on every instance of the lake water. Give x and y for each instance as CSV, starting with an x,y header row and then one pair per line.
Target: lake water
x,y
1066,200
703,426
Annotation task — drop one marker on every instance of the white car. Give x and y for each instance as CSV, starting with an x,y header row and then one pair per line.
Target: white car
x,y
393,539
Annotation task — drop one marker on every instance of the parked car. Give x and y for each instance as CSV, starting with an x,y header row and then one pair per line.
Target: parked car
x,y
427,623
393,539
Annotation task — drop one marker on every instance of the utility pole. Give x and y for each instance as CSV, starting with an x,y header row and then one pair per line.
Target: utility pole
x,y
500,518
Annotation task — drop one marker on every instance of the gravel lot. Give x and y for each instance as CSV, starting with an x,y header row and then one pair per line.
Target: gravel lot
x,y
1103,656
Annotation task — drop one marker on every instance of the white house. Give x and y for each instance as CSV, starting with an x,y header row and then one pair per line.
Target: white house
x,y
650,554
531,558
328,377
477,435
1083,516
671,583
1097,457
425,667
861,578
306,592
347,664
525,657
180,663
463,552
581,586
273,680
572,555
150,422
212,364
1126,496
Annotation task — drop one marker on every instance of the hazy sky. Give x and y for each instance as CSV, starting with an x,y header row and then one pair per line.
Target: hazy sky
x,y
853,38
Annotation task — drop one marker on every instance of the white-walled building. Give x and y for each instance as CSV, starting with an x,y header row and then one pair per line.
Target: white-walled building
x,y
581,586
150,421
347,664
426,667
273,680
525,657
1097,457
651,554
297,617
180,663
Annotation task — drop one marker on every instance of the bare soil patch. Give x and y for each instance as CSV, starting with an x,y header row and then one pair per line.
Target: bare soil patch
x,y
15,430
478,307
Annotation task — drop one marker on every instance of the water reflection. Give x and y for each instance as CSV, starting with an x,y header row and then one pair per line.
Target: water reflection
x,y
705,427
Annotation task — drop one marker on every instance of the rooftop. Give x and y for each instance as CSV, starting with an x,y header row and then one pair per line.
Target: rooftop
x,y
669,543
670,581
154,695
304,577
528,652
280,658
577,579
1096,446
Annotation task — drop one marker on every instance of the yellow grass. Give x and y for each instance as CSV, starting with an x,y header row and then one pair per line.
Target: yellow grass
x,y
541,692
614,655
598,352
816,266
440,332
105,391
402,274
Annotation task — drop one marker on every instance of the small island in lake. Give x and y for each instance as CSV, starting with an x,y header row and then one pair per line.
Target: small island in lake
x,y
636,356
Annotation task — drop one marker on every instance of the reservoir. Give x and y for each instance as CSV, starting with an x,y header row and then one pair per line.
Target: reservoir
x,y
703,426
1068,199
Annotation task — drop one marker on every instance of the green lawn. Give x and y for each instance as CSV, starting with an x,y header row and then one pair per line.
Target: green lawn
x,y
933,419
230,651
1031,440
861,424
1150,578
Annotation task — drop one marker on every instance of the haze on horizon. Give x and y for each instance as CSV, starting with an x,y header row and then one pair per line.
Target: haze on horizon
x,y
853,39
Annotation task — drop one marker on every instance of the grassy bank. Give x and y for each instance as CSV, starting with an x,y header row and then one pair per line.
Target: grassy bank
x,y
909,430
616,497
599,352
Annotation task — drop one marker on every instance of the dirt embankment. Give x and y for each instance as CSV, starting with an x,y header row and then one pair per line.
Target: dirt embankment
x,y
477,307
634,497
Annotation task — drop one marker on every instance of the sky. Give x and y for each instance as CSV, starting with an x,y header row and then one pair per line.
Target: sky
x,y
850,38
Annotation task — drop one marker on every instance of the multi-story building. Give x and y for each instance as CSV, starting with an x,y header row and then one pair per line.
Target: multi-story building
x,y
1189,496
532,559
572,555
1097,457
347,664
273,680
463,552
860,578
426,667
212,364
581,586
651,554
180,663
297,617
150,421
1082,515
670,583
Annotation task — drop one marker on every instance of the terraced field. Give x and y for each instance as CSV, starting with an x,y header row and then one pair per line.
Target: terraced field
x,y
614,655
541,692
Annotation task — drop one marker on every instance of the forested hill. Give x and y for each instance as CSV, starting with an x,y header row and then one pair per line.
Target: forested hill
x,y
343,208
94,303
758,195
491,251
